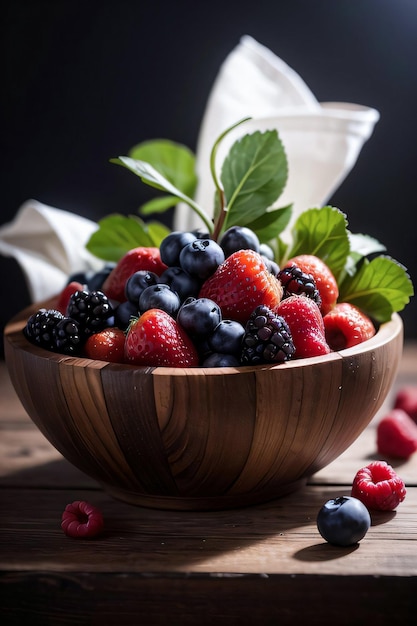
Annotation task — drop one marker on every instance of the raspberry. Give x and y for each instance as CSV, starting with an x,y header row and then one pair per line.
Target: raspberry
x,y
267,338
406,399
378,486
81,520
396,435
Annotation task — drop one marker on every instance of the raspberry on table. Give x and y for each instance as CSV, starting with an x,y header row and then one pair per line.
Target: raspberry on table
x,y
82,520
396,435
406,399
378,486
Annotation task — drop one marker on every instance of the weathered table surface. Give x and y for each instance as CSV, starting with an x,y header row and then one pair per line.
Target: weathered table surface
x,y
260,565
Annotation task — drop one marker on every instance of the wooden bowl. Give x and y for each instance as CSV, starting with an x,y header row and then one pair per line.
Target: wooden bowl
x,y
195,438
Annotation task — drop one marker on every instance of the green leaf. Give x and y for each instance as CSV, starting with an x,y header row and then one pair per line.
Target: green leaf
x,y
157,232
323,233
271,224
117,234
158,205
174,161
253,176
360,246
152,177
379,288
364,245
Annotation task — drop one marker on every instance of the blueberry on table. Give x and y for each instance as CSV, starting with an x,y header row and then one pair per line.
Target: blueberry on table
x,y
343,521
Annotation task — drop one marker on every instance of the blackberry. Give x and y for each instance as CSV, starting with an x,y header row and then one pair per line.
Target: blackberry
x,y
267,338
51,330
68,337
40,326
92,310
296,282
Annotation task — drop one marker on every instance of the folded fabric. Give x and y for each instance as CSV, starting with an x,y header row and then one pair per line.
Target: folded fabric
x,y
322,140
49,244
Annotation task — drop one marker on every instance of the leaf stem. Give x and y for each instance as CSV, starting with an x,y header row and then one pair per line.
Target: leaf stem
x,y
218,224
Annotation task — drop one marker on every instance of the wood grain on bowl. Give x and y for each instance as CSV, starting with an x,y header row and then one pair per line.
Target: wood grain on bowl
x,y
202,438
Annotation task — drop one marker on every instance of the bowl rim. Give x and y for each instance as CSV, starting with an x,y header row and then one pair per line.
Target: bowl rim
x,y
386,332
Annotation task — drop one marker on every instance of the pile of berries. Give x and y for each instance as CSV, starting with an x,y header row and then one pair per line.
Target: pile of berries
x,y
197,302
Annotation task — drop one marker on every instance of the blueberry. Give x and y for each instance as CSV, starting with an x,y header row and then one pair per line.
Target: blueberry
x,y
159,297
181,282
172,245
201,258
271,266
227,337
137,282
201,233
221,360
343,521
267,251
199,316
124,313
93,280
239,238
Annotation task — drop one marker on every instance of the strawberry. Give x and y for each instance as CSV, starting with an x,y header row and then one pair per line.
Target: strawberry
x,y
141,258
323,277
155,339
346,326
396,435
406,399
378,486
106,345
65,295
240,284
306,325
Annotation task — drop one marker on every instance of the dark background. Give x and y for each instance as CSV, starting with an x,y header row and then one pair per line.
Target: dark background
x,y
85,81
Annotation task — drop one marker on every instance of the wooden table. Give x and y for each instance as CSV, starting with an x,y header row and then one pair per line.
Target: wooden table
x,y
261,565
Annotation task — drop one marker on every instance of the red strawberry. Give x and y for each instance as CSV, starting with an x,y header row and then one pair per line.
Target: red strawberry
x,y
82,520
240,284
106,345
406,399
141,258
324,279
155,339
397,435
306,325
346,326
65,295
378,486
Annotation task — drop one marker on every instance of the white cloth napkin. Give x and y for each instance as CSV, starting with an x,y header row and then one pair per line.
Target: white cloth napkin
x,y
49,244
322,140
